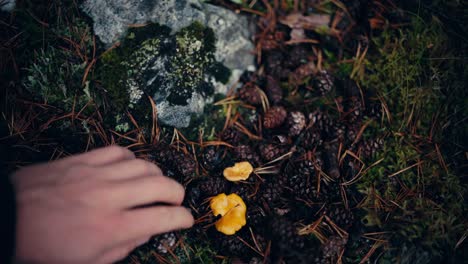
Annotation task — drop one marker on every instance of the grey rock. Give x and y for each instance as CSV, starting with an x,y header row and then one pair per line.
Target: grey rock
x,y
112,18
7,5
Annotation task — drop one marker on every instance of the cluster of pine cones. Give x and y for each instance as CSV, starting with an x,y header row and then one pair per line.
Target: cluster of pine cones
x,y
302,168
306,154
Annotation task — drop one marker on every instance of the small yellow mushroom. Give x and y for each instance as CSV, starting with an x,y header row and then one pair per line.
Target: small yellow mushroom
x,y
239,172
232,210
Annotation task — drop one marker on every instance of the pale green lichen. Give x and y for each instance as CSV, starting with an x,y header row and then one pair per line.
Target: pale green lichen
x,y
56,81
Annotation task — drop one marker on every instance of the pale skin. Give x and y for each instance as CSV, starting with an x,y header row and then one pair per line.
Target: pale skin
x,y
89,208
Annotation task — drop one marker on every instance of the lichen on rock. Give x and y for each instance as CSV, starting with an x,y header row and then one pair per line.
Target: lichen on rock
x,y
173,69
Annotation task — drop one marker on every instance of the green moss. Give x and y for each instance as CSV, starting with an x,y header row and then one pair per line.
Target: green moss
x,y
419,91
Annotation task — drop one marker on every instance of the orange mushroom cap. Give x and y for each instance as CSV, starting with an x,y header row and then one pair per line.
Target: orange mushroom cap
x,y
232,210
240,171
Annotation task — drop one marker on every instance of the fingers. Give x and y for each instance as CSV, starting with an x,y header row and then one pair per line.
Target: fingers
x,y
99,157
147,190
129,169
154,220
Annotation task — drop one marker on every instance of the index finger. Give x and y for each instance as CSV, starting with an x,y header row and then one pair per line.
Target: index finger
x,y
153,220
99,157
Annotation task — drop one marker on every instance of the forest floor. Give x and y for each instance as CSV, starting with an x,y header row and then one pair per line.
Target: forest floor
x,y
355,123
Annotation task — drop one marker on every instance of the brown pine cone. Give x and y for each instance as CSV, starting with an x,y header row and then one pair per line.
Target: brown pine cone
x,y
244,191
246,153
296,122
284,235
212,185
269,152
256,217
251,94
333,247
274,117
271,191
211,158
163,243
303,187
231,245
306,167
273,61
273,90
231,136
352,132
176,164
184,164
312,138
341,216
162,154
320,120
298,56
323,82
302,72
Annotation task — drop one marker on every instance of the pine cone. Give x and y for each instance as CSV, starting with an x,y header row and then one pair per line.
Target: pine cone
x,y
256,217
359,246
297,56
244,191
331,192
273,90
162,243
318,258
351,135
174,163
274,64
338,131
231,245
333,247
192,195
271,191
284,235
274,117
211,158
340,216
212,185
307,166
270,152
296,122
320,120
302,186
184,163
231,136
323,82
162,155
246,153
251,94
312,138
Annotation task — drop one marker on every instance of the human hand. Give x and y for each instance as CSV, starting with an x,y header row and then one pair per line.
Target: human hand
x,y
91,208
